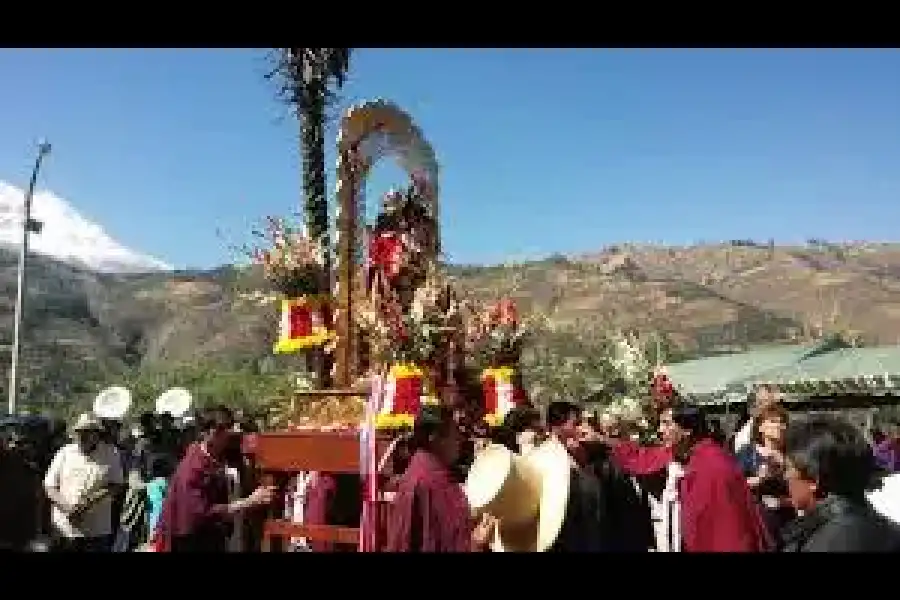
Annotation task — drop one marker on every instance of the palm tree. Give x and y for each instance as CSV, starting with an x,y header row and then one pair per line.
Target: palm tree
x,y
308,79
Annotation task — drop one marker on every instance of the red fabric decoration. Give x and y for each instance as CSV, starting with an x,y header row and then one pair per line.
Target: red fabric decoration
x,y
301,321
385,251
408,392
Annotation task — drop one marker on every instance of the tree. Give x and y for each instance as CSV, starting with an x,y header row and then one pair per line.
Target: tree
x,y
307,80
210,382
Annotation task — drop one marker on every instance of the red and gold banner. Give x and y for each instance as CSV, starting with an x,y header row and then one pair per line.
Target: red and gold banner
x,y
501,393
402,397
306,322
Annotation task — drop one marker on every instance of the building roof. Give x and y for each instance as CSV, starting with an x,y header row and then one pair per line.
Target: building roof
x,y
847,370
716,374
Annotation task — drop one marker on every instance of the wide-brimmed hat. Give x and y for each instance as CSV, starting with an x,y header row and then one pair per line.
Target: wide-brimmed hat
x,y
527,494
87,422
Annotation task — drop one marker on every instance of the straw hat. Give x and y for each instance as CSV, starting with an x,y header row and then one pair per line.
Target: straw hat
x,y
87,422
527,494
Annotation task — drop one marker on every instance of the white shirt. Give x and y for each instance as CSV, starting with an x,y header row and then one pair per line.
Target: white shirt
x,y
669,536
236,542
886,500
75,474
744,436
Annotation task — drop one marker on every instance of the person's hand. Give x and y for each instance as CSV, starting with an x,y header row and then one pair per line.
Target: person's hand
x,y
484,532
262,495
773,503
67,508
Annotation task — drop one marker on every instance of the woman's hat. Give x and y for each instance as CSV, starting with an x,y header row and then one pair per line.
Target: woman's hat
x,y
87,422
527,494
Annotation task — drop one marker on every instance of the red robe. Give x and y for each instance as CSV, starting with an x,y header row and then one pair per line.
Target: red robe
x,y
194,513
429,513
718,511
319,497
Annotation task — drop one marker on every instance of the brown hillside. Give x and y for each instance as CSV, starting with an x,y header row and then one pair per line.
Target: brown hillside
x,y
704,299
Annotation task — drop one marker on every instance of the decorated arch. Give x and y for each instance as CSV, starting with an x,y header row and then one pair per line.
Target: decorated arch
x,y
369,132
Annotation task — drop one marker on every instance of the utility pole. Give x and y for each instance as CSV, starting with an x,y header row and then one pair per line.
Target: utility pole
x,y
28,226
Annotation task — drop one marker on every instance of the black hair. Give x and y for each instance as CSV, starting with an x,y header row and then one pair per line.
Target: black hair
x,y
516,421
742,411
833,453
560,412
504,436
432,421
692,418
521,419
233,453
385,222
216,418
161,466
248,425
716,432
147,421
109,431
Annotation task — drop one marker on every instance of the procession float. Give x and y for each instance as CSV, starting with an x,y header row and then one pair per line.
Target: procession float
x,y
396,334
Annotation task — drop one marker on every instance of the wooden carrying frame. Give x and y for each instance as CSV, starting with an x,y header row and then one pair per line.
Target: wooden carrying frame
x,y
280,456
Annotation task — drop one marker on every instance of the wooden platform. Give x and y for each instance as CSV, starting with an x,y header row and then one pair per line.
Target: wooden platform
x,y
280,456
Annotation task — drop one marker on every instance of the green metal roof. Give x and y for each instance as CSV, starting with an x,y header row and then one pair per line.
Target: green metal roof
x,y
713,375
847,370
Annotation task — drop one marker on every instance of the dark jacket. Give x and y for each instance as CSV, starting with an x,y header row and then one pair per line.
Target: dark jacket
x,y
20,488
625,518
841,525
581,530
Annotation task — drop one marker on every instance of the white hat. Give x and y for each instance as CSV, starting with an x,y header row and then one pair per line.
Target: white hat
x,y
87,422
527,494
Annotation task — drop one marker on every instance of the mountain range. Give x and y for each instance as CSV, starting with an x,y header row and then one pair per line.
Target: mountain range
x,y
95,308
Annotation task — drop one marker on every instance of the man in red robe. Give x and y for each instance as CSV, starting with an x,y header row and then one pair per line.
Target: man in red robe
x,y
430,512
197,514
718,512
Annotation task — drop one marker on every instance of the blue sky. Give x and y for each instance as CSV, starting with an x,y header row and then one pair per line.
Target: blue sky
x,y
541,151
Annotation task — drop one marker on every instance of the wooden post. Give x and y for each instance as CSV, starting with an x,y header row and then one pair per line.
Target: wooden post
x,y
344,353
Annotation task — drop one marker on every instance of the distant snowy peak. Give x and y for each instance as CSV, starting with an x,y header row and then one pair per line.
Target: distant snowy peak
x,y
67,236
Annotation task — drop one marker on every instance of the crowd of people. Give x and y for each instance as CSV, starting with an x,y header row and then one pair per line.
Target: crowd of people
x,y
802,486
560,481
98,485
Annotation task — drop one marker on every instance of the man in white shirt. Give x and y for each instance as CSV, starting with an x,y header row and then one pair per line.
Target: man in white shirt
x,y
81,481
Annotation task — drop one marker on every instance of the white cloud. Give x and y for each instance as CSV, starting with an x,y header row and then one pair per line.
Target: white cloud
x,y
67,236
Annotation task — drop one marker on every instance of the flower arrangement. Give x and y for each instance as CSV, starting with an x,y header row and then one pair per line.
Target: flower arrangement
x,y
495,335
414,335
292,262
294,265
406,340
646,390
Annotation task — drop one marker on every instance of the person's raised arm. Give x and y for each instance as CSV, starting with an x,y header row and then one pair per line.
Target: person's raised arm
x,y
199,505
637,460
